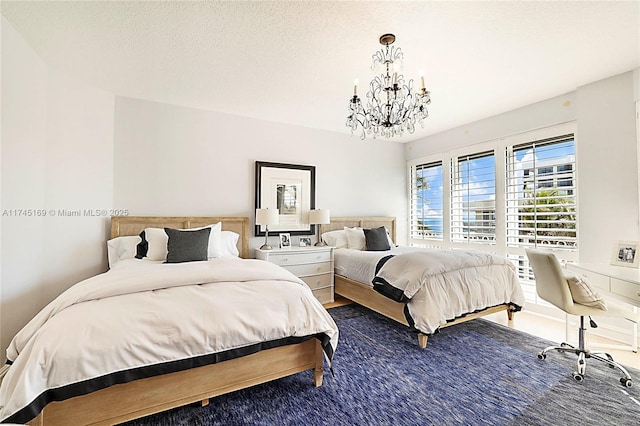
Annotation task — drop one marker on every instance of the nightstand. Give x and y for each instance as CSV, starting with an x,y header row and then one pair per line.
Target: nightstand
x,y
314,265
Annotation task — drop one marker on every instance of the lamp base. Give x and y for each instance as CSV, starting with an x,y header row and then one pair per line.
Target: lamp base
x,y
266,245
320,243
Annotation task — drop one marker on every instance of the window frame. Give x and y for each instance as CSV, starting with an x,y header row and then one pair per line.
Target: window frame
x,y
475,151
412,164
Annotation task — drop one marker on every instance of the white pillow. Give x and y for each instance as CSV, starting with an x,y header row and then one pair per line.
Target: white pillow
x,y
120,248
228,244
157,240
214,249
582,293
355,238
391,243
337,239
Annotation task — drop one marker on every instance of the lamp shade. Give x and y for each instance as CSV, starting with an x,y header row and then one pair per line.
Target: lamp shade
x,y
320,216
267,216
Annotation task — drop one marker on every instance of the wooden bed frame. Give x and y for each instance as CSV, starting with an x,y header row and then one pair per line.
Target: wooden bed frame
x,y
365,295
139,398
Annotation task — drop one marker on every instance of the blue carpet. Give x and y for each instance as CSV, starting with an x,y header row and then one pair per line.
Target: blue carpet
x,y
475,373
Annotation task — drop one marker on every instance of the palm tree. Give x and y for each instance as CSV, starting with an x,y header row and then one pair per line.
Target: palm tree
x,y
422,184
546,213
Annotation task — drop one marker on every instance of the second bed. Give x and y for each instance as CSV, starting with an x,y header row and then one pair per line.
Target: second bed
x,y
425,289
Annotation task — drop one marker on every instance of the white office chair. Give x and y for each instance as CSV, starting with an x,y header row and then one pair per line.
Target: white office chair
x,y
552,286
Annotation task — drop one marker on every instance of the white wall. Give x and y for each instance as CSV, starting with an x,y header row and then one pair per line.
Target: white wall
x,y
606,154
171,160
56,154
560,109
607,166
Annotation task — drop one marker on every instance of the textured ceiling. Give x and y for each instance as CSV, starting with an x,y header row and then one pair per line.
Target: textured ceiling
x,y
295,62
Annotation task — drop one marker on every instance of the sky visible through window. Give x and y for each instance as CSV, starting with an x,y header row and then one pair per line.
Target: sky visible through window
x,y
481,185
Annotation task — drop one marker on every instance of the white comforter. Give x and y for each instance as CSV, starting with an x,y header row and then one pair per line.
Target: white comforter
x,y
154,313
441,285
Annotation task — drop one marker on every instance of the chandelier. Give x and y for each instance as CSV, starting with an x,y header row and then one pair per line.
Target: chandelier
x,y
393,106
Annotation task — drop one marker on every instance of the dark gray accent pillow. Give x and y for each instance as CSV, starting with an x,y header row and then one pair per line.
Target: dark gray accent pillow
x,y
376,239
187,246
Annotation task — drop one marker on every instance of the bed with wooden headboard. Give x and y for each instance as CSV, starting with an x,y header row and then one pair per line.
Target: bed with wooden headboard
x,y
364,294
142,397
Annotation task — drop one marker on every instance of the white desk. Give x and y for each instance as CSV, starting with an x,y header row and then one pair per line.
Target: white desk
x,y
615,281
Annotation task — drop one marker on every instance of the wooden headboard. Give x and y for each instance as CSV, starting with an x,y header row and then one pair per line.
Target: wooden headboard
x,y
133,225
362,222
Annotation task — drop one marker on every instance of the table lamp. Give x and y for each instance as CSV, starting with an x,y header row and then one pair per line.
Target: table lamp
x,y
267,217
319,217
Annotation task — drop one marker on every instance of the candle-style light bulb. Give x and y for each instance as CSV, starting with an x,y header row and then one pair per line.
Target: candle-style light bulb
x,y
355,87
422,77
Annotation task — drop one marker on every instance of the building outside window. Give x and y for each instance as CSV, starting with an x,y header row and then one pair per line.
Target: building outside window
x,y
473,204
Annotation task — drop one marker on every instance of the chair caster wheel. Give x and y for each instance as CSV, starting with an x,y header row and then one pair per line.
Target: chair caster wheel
x,y
626,382
542,356
578,377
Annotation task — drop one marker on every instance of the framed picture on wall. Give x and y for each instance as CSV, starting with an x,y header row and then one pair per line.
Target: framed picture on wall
x,y
625,253
289,188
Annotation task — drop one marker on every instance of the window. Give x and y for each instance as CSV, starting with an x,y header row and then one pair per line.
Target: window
x,y
473,204
541,212
426,201
501,196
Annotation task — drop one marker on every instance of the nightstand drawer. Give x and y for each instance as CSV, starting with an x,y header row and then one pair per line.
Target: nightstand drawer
x,y
310,269
297,258
324,295
627,290
318,281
